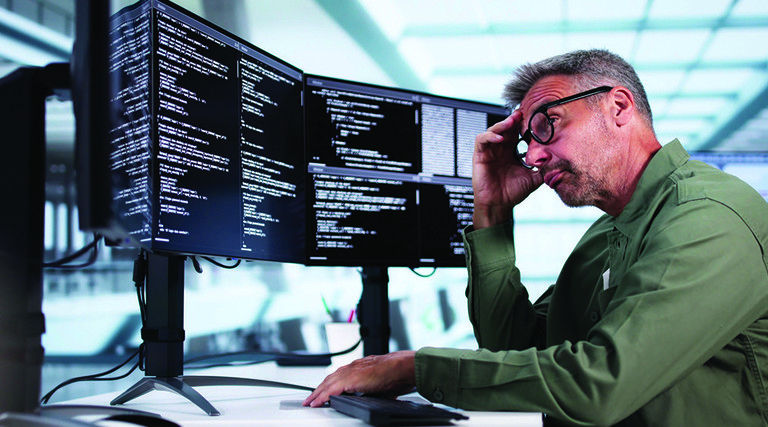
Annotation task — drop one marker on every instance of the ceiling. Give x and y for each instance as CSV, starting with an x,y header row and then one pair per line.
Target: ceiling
x,y
704,63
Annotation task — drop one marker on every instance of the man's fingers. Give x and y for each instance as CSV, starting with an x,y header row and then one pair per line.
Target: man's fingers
x,y
311,398
318,401
333,384
505,131
320,396
510,124
504,125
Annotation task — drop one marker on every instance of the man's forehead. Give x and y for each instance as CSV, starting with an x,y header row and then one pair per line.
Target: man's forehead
x,y
545,90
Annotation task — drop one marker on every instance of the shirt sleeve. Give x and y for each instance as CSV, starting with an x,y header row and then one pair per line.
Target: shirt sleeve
x,y
499,307
692,289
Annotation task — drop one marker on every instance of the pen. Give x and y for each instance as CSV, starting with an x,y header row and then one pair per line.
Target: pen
x,y
325,305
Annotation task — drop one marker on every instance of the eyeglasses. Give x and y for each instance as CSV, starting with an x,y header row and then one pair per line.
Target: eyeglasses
x,y
540,125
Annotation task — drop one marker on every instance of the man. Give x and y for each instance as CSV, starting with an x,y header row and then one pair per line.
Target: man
x,y
658,316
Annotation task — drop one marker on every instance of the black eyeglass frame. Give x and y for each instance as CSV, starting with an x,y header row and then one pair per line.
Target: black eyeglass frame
x,y
528,134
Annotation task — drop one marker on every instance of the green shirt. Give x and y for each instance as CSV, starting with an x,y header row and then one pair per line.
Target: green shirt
x,y
677,335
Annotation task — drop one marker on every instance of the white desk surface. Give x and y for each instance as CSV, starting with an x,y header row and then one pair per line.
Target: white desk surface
x,y
267,406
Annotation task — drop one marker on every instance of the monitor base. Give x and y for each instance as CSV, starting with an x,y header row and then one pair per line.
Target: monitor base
x,y
184,386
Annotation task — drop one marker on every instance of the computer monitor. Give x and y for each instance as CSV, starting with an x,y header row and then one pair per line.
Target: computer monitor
x,y
389,173
206,138
90,101
198,151
208,152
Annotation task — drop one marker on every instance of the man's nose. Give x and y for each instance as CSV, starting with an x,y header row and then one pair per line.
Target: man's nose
x,y
537,155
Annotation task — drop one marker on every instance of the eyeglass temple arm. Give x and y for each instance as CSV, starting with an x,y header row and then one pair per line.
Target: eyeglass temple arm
x,y
575,97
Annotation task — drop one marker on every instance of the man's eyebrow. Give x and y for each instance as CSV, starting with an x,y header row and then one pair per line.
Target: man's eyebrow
x,y
538,107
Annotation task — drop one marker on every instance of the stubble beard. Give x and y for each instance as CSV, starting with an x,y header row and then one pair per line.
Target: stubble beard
x,y
580,188
585,182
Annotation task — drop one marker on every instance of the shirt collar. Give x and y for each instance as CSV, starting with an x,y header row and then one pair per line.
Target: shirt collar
x,y
670,157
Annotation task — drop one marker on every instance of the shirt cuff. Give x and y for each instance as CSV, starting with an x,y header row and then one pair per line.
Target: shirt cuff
x,y
489,248
437,375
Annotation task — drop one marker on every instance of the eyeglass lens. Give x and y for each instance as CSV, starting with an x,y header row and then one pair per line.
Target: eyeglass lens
x,y
540,128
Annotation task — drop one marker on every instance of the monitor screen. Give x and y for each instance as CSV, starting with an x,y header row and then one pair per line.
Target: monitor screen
x,y
219,148
206,138
750,167
389,173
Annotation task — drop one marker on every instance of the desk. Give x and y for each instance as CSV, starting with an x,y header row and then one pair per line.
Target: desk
x,y
266,406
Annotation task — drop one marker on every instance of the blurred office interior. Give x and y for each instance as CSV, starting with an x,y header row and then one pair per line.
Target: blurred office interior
x,y
704,65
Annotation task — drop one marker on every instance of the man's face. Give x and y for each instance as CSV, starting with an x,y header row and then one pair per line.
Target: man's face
x,y
581,159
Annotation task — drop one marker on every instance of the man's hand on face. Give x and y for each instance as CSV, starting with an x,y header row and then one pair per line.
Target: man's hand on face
x,y
499,181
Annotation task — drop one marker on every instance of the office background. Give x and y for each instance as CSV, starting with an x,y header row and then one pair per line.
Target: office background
x,y
704,65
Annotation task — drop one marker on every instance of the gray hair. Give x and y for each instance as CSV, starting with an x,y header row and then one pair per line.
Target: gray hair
x,y
588,69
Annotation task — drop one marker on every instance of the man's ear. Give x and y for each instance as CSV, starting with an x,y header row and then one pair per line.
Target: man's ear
x,y
622,105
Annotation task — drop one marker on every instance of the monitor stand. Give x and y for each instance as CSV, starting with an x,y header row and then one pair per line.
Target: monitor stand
x,y
22,169
163,333
163,336
373,311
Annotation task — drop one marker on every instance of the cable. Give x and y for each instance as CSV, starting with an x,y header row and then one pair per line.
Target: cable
x,y
268,356
434,269
63,263
196,264
96,377
139,279
218,264
140,272
199,268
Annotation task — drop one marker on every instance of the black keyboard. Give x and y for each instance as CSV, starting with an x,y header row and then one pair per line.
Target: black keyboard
x,y
380,411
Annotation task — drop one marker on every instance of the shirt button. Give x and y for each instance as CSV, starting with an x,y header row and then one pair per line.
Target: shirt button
x,y
437,395
594,316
